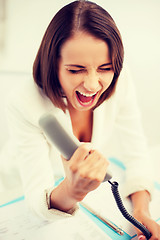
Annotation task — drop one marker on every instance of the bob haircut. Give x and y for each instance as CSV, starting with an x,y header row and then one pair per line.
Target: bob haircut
x,y
77,16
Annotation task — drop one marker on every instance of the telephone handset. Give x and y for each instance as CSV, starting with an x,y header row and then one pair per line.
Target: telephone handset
x,y
61,139
67,146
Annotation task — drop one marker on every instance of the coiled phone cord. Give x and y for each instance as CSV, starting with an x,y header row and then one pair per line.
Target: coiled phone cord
x,y
67,146
144,230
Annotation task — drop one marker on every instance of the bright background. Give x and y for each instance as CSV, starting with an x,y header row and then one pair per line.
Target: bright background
x,y
23,23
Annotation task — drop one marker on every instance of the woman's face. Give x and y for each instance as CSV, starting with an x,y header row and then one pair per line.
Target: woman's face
x,y
85,70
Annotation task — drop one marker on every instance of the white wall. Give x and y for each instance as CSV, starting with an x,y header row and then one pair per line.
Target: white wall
x,y
8,81
138,21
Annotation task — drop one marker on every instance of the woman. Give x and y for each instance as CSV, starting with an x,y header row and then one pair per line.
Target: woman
x,y
78,77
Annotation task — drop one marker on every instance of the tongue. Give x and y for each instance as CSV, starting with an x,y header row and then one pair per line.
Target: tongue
x,y
83,98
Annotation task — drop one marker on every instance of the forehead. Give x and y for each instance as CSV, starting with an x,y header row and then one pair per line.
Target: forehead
x,y
83,48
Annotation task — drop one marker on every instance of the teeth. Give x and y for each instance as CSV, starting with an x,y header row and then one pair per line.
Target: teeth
x,y
87,94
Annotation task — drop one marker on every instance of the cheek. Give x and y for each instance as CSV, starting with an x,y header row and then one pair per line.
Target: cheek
x,y
107,80
68,83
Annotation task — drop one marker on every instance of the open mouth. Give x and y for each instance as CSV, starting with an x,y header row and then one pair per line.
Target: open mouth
x,y
85,99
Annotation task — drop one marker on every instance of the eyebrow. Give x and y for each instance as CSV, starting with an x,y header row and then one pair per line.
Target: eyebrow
x,y
80,66
106,64
74,65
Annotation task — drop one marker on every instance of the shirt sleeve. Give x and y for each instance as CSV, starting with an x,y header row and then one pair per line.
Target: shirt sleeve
x,y
131,139
32,160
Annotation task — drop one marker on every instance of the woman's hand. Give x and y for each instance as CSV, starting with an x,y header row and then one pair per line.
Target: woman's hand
x,y
149,223
84,171
141,202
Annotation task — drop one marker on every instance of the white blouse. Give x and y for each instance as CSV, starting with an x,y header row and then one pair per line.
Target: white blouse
x,y
31,159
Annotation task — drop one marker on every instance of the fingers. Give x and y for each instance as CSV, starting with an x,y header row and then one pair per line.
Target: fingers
x,y
153,227
155,231
79,155
89,163
82,152
85,170
94,166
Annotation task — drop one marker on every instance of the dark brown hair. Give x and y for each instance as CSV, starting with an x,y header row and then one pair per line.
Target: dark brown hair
x,y
76,16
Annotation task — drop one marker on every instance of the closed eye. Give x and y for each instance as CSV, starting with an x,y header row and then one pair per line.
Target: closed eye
x,y
105,69
76,71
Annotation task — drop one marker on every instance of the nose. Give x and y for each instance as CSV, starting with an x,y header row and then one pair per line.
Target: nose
x,y
92,81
